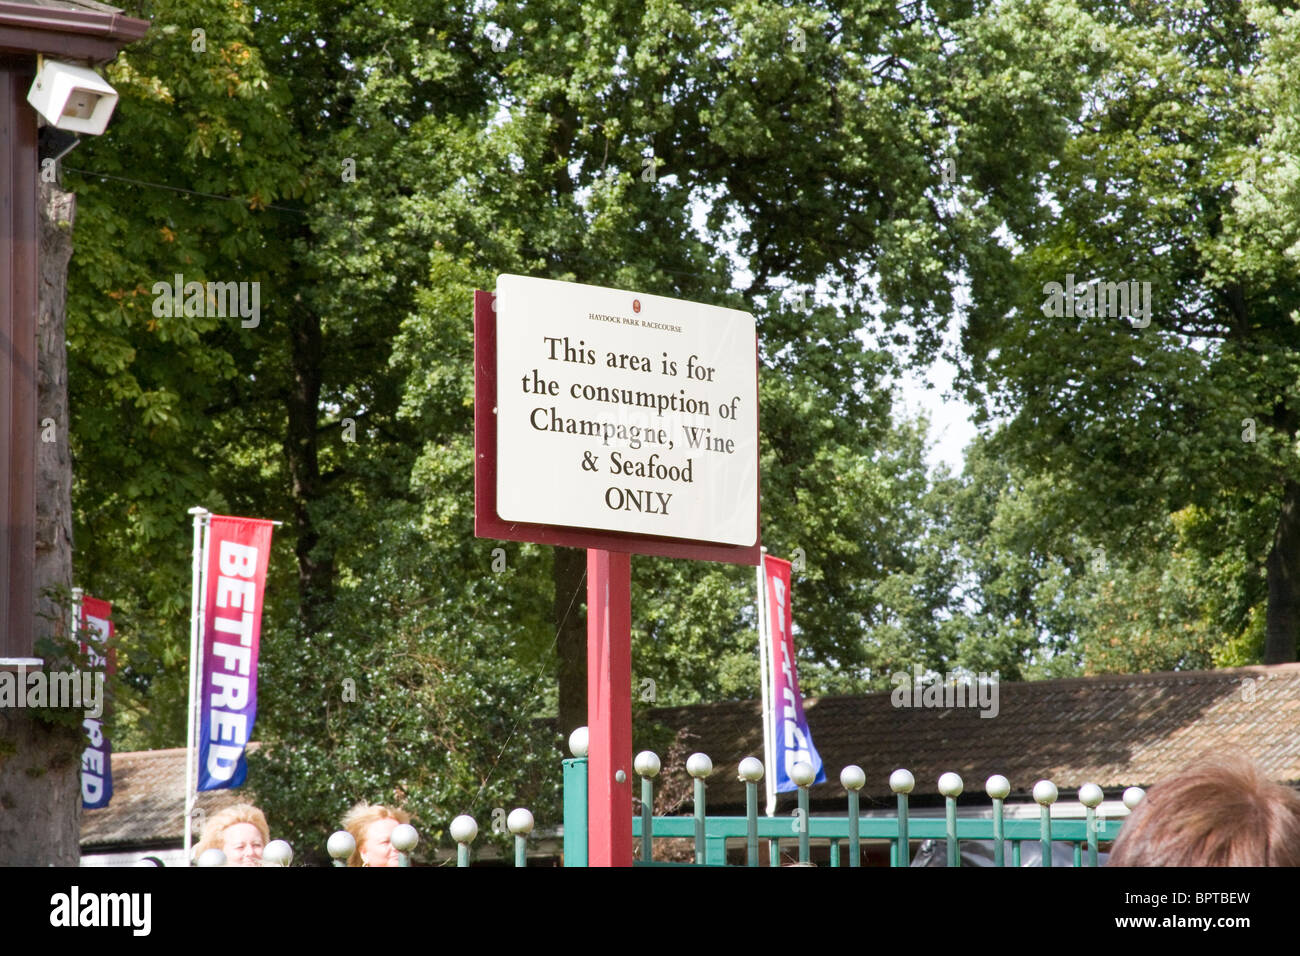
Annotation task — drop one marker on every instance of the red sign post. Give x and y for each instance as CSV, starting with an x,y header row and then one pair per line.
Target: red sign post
x,y
609,708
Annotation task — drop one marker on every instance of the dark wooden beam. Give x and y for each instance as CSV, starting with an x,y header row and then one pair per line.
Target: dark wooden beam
x,y
72,34
19,188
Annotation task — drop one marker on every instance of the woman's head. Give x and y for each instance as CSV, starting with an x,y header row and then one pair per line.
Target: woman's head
x,y
372,825
239,831
1221,812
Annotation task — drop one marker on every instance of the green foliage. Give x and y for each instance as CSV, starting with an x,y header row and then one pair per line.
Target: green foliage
x,y
1176,173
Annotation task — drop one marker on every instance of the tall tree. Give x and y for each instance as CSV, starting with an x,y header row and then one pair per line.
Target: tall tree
x,y
165,401
1173,193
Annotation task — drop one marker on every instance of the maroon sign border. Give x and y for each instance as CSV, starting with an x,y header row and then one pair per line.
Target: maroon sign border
x,y
488,524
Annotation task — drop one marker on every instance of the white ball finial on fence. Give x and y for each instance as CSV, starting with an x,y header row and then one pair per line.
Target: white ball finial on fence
x,y
464,829
1045,793
699,765
578,742
1090,795
950,784
277,853
404,838
853,777
997,787
646,764
212,857
341,845
750,770
802,774
1133,796
901,781
520,822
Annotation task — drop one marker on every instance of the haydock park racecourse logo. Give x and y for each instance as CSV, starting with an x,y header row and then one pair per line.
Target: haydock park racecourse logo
x,y
74,909
1129,300
213,300
946,690
39,689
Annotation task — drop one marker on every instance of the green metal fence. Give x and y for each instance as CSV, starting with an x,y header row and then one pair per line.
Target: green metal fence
x,y
844,835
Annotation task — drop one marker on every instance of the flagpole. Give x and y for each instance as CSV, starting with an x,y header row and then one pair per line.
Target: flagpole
x,y
200,514
76,611
765,681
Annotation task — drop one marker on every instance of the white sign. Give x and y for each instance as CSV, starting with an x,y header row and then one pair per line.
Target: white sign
x,y
621,411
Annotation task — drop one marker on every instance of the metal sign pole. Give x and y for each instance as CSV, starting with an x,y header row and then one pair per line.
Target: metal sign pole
x,y
198,572
765,687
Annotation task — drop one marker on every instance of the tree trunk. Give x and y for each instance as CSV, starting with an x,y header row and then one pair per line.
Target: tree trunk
x,y
571,643
315,569
40,791
570,563
1283,621
40,779
53,458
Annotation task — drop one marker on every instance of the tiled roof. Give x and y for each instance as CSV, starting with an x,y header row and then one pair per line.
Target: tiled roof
x,y
148,804
1113,730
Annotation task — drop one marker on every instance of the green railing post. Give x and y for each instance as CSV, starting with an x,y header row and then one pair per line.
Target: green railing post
x,y
647,767
340,846
404,839
773,852
1045,794
463,831
751,771
575,800
998,787
520,823
853,778
950,785
1090,795
699,766
802,775
902,782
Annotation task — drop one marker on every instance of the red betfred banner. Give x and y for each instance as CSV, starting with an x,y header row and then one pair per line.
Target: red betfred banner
x,y
234,578
791,737
96,759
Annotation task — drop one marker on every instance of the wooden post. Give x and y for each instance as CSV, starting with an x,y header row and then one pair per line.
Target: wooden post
x,y
19,182
609,708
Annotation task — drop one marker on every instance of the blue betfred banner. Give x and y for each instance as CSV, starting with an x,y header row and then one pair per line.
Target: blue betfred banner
x,y
96,759
792,738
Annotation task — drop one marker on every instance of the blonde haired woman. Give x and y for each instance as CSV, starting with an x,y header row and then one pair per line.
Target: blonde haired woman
x,y
372,826
239,831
